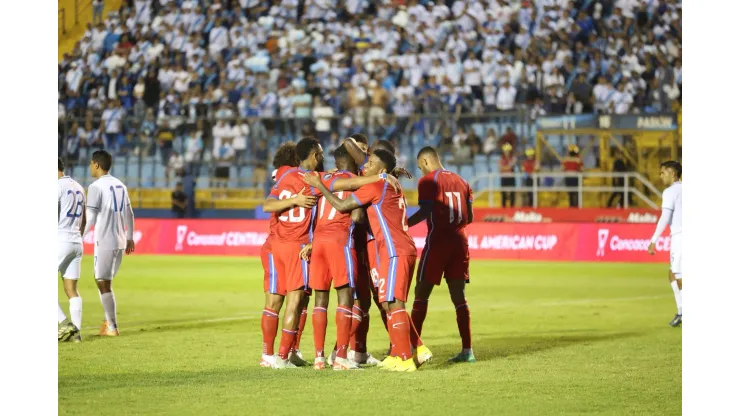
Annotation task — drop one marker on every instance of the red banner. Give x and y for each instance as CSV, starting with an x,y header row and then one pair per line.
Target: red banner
x,y
568,215
508,241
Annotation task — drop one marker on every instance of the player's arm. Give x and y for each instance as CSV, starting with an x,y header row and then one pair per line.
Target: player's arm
x,y
425,210
665,219
94,201
470,205
359,216
273,204
128,220
357,182
341,205
83,222
354,150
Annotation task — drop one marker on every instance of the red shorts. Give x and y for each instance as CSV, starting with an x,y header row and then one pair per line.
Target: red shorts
x,y
373,261
266,257
394,280
362,283
332,262
291,273
442,258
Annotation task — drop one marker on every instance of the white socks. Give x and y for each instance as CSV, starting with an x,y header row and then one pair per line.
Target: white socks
x,y
75,311
61,317
677,295
109,306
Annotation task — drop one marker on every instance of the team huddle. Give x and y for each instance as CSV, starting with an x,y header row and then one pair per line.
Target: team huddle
x,y
107,207
349,229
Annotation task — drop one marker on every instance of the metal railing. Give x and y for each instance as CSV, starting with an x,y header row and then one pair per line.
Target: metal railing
x,y
486,184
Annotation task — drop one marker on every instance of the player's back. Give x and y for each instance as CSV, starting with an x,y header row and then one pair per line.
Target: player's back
x,y
672,200
294,225
109,196
387,217
331,225
71,197
451,197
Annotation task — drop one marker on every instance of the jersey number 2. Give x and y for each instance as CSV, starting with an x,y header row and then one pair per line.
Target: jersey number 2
x,y
75,211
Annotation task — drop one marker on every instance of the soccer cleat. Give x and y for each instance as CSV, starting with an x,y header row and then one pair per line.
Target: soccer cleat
x,y
364,358
267,361
105,331
676,321
351,355
77,338
296,358
67,330
319,363
404,366
330,359
343,364
281,364
423,354
463,357
389,362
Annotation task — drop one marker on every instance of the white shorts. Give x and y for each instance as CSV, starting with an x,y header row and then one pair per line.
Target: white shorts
x,y
676,251
69,258
106,263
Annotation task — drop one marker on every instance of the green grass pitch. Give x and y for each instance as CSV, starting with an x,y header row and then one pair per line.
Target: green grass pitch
x,y
550,339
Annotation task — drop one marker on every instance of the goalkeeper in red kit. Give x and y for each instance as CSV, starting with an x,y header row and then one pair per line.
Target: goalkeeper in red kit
x,y
446,203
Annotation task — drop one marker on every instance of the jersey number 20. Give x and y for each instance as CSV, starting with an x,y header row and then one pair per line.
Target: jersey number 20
x,y
297,214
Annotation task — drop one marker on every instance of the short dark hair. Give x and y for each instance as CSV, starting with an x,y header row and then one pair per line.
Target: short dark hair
x,y
285,155
385,144
388,159
673,165
427,151
103,158
341,153
359,138
60,164
306,146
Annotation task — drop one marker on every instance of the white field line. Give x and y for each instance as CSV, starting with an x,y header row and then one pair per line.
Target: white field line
x,y
440,308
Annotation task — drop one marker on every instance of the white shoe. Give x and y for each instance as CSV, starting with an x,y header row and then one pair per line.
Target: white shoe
x,y
364,358
319,363
267,360
330,359
344,364
281,364
351,355
296,358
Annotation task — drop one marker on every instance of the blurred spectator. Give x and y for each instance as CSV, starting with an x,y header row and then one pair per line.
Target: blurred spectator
x,y
97,9
572,164
323,114
490,144
174,165
112,119
509,138
619,166
530,166
240,132
223,157
179,201
165,138
506,165
260,168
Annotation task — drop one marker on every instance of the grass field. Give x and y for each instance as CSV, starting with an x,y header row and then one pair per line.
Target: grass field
x,y
550,338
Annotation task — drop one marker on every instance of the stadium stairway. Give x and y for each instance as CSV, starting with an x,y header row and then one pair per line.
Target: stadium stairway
x,y
74,32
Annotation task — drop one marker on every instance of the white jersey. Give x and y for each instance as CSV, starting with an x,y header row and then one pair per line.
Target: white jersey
x,y
109,197
672,202
71,197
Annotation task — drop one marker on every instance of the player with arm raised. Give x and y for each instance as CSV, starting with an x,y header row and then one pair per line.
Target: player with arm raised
x,y
670,174
387,218
71,223
109,210
446,203
286,158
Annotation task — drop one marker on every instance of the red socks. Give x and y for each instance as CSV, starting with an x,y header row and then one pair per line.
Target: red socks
x,y
418,315
301,325
318,319
286,342
360,339
269,330
463,323
344,324
399,331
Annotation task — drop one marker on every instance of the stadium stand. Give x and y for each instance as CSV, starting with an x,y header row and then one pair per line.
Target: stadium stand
x,y
175,87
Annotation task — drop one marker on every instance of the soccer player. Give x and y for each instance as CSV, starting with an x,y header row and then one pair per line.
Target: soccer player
x,y
70,224
670,174
387,217
446,203
109,210
285,159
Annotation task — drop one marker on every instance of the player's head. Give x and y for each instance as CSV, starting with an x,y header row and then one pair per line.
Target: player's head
x,y
310,154
100,163
286,155
361,140
383,144
61,166
343,160
381,161
428,160
670,172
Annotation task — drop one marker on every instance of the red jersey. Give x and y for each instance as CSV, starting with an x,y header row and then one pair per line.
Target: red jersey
x,y
529,165
293,225
450,196
572,164
387,217
332,225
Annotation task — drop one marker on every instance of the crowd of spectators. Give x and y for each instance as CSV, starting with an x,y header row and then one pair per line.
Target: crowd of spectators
x,y
186,79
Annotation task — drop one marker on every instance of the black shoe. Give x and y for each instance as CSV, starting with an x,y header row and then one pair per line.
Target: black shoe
x,y
676,321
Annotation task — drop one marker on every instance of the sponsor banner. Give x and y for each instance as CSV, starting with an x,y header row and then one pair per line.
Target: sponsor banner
x,y
505,241
660,122
547,215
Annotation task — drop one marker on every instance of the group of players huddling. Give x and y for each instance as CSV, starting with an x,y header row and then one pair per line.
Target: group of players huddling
x,y
348,228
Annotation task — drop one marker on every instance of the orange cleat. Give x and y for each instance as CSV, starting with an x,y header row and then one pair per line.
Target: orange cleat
x,y
105,331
